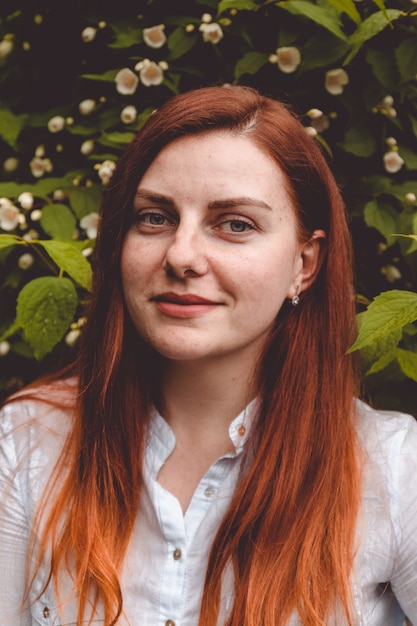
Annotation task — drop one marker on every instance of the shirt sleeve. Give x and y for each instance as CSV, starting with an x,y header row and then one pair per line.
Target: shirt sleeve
x,y
404,580
14,528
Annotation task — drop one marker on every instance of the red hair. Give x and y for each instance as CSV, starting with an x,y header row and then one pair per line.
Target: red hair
x,y
290,528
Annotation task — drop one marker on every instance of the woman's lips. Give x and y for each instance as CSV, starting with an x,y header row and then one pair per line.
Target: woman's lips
x,y
183,306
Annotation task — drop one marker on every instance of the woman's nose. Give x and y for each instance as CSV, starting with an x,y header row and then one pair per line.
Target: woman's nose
x,y
186,255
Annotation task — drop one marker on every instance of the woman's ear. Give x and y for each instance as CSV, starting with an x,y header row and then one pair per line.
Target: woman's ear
x,y
311,258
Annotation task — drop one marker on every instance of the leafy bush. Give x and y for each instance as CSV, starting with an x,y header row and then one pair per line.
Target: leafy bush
x,y
78,83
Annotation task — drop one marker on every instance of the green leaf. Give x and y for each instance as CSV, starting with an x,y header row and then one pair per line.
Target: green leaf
x,y
381,6
382,362
318,14
348,7
9,240
321,50
69,259
107,77
10,126
409,156
359,140
117,139
85,200
127,34
239,5
406,55
381,353
58,221
41,188
250,63
384,67
389,311
370,27
180,42
408,363
45,309
381,217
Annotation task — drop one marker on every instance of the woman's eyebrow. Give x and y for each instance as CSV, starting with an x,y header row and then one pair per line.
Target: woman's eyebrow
x,y
226,203
153,196
244,201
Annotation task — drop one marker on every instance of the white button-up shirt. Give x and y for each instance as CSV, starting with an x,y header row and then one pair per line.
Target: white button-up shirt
x,y
164,569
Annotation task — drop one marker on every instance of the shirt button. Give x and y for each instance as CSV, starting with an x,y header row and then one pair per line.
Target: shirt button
x,y
170,622
177,554
209,491
241,430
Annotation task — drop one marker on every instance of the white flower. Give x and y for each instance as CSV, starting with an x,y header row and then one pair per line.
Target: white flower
x,y
11,164
335,81
26,261
87,147
40,151
5,202
310,130
128,114
87,252
392,162
391,141
151,74
126,81
206,18
9,216
39,166
154,37
88,33
36,215
90,224
72,337
319,121
87,106
391,273
288,59
410,197
31,235
388,101
106,170
22,221
211,32
4,348
59,195
6,47
26,200
56,124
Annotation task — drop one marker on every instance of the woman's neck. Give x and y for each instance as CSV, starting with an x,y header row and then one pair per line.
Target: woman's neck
x,y
202,398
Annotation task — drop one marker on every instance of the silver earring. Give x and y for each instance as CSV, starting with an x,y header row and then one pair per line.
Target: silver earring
x,y
296,298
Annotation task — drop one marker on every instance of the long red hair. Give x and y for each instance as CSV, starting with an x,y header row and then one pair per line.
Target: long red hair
x,y
289,532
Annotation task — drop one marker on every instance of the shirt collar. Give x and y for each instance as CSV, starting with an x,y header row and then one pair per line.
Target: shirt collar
x,y
162,438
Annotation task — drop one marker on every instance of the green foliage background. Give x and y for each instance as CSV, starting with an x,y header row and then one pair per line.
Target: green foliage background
x,y
49,64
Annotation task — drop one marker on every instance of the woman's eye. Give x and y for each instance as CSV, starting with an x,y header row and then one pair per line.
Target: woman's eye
x,y
237,226
151,218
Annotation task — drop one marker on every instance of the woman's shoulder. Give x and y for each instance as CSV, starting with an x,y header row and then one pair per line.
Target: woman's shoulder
x,y
389,443
378,427
40,409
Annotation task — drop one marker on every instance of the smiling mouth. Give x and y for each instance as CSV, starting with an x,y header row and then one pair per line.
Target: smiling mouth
x,y
184,300
181,306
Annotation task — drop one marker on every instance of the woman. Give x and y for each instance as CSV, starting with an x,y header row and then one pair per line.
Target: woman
x,y
204,460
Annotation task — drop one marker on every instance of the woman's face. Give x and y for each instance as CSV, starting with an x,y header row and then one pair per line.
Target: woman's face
x,y
212,252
